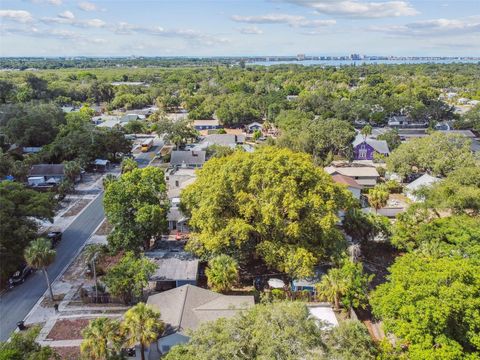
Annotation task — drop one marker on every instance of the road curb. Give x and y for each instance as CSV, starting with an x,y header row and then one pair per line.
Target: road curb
x,y
60,274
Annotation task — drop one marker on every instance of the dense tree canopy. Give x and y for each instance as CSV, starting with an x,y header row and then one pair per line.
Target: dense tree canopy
x,y
320,138
175,132
129,277
31,124
458,192
438,154
23,346
433,304
273,202
276,331
19,207
282,330
80,140
136,205
460,234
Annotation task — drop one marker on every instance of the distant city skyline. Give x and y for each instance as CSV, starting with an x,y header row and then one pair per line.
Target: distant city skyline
x,y
239,28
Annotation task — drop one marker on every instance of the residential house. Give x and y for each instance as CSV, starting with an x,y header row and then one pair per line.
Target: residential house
x,y
354,187
252,127
131,117
364,175
364,148
24,150
177,221
101,165
230,140
187,158
174,269
177,179
187,307
211,124
111,123
423,182
97,120
46,174
324,314
31,149
403,121
308,284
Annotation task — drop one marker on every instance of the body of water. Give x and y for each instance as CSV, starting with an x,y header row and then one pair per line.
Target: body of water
x,y
364,62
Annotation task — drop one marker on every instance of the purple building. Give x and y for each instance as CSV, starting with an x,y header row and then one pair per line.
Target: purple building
x,y
365,148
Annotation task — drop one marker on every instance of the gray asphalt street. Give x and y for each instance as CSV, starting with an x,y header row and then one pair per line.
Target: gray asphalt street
x,y
17,303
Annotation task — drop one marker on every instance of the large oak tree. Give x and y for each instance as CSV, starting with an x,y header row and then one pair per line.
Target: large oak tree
x,y
272,203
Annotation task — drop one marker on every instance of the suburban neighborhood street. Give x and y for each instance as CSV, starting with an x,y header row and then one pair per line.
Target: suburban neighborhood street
x,y
144,158
15,304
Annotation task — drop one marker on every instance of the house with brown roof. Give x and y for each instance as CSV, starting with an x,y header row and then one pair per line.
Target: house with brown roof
x,y
366,176
354,187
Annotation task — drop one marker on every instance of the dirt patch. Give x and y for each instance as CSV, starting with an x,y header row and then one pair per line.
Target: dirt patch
x,y
104,229
46,302
68,329
108,261
75,209
68,353
76,270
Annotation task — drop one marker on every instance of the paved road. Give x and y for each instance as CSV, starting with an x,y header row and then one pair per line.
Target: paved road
x,y
143,159
17,303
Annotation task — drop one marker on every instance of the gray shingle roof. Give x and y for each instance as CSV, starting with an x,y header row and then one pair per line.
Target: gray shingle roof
x,y
187,157
47,170
379,146
189,306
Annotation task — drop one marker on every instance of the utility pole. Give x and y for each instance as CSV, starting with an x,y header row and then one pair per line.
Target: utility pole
x,y
95,276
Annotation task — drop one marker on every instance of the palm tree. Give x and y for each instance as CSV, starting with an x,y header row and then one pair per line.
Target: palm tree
x,y
378,197
222,273
142,325
101,339
366,131
331,287
39,254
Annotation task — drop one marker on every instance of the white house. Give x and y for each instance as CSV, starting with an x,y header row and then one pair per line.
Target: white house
x,y
254,126
364,175
424,181
354,187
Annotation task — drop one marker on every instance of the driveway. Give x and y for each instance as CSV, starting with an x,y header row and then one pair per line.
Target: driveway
x,y
17,303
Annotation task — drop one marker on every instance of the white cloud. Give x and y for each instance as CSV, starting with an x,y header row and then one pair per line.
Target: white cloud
x,y
291,20
434,27
21,16
96,23
33,31
68,18
125,28
87,6
359,9
251,30
55,2
67,15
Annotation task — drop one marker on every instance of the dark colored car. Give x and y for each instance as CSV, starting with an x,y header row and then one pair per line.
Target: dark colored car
x,y
55,237
20,275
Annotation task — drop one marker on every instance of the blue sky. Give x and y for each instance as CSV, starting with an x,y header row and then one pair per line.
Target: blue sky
x,y
239,27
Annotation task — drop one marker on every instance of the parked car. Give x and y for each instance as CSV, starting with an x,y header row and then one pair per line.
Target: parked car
x,y
20,275
55,237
